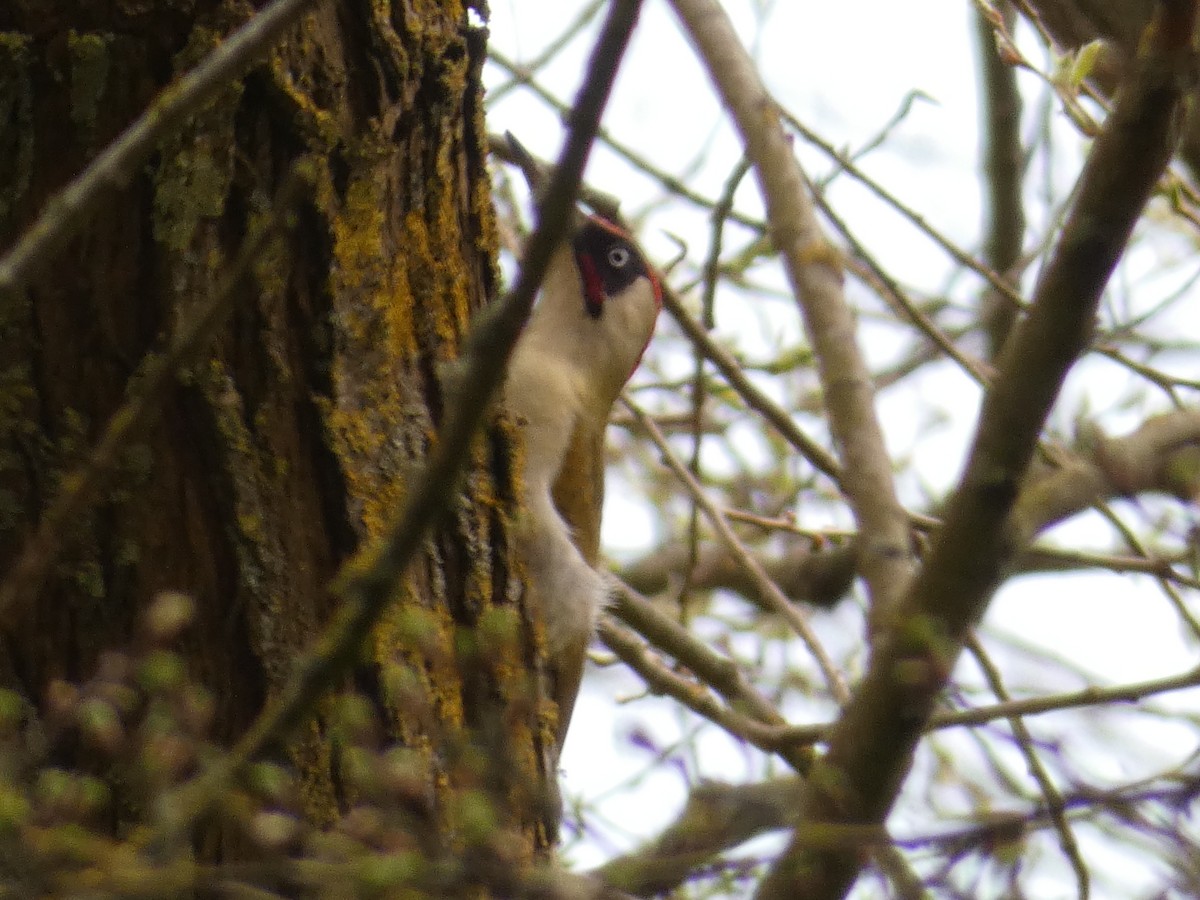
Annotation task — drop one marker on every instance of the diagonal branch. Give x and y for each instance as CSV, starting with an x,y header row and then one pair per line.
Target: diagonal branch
x,y
814,270
755,398
716,816
1037,769
776,602
872,745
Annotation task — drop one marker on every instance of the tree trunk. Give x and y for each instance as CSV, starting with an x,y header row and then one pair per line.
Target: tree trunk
x,y
288,442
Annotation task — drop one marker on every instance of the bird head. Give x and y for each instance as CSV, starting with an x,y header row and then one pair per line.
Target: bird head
x,y
600,299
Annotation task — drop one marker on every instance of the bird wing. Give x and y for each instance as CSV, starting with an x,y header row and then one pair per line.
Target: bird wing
x,y
579,497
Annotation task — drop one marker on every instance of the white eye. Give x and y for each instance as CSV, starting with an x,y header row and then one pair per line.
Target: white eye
x,y
618,257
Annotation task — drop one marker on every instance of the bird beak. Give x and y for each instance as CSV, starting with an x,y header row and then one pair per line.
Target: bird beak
x,y
593,287
535,175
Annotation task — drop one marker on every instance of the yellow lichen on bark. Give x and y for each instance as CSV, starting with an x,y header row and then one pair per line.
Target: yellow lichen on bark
x,y
319,126
376,340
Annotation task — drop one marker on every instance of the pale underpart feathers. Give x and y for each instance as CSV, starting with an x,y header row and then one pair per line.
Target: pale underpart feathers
x,y
587,332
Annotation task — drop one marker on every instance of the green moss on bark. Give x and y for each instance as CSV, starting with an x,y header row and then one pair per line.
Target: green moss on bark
x,y
90,63
193,180
16,120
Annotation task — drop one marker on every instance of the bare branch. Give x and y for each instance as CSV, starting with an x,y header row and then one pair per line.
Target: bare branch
x,y
1002,167
818,578
872,745
814,271
1155,457
717,671
717,816
1024,739
775,600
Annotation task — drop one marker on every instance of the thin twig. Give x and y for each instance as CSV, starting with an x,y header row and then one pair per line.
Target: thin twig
x,y
524,72
772,737
1092,696
814,271
887,285
1002,164
757,400
773,597
668,181
720,215
1053,798
959,255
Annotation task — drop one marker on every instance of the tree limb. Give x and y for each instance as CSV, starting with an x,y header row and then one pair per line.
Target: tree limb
x,y
1161,455
871,746
814,270
1005,213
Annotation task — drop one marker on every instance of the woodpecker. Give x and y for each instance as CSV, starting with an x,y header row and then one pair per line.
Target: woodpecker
x,y
586,335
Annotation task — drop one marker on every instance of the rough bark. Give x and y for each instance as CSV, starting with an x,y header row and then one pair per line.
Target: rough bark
x,y
288,442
